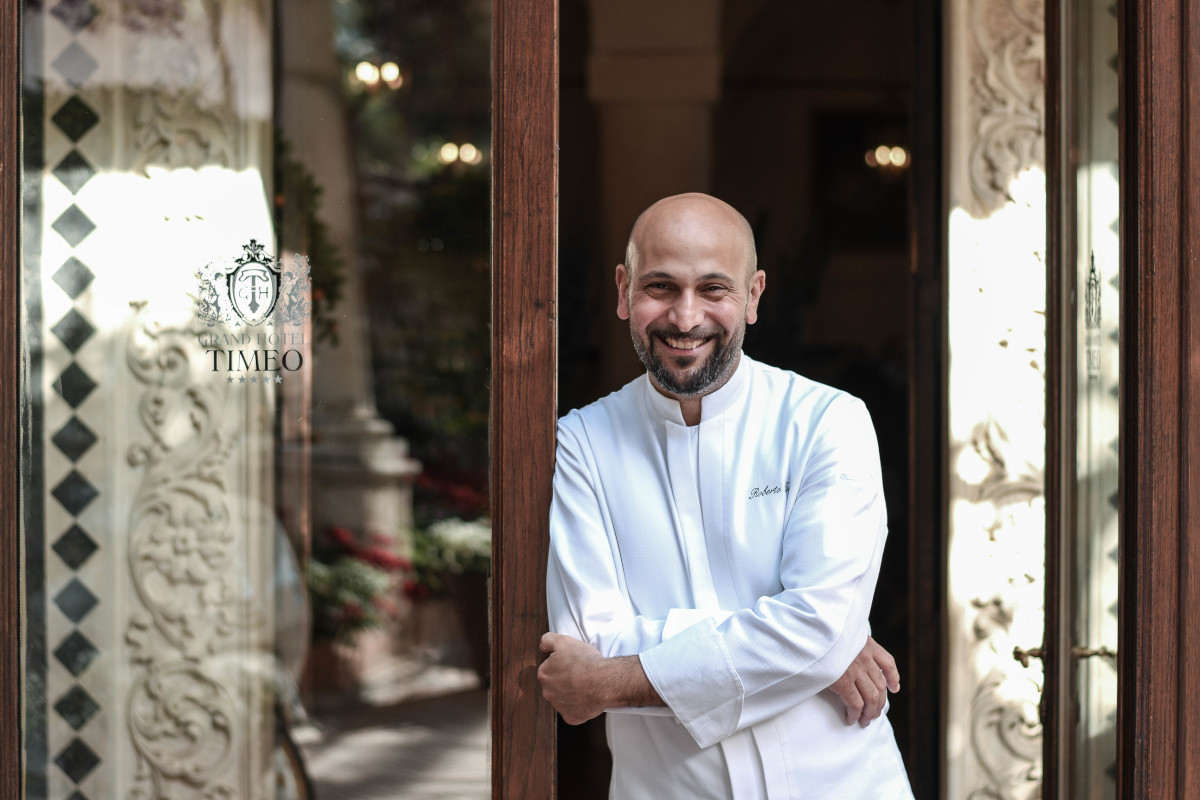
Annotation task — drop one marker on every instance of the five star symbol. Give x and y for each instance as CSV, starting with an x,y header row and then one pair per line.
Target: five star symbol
x,y
255,379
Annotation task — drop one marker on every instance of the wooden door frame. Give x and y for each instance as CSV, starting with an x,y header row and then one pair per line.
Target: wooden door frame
x,y
1159,494
10,397
1159,714
524,397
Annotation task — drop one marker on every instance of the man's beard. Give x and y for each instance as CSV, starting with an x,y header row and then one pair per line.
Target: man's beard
x,y
713,373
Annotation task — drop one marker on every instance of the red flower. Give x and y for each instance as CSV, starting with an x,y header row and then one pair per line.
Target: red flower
x,y
342,536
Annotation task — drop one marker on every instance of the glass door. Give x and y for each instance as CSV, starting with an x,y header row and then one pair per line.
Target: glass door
x,y
254,499
1084,708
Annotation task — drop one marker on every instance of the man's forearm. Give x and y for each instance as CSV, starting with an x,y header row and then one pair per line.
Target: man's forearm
x,y
625,684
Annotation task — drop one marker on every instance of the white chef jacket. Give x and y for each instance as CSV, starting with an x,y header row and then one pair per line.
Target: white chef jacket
x,y
738,558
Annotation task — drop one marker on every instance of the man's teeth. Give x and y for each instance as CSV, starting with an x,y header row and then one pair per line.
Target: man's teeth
x,y
684,344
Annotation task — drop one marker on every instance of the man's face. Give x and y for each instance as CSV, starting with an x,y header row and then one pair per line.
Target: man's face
x,y
688,300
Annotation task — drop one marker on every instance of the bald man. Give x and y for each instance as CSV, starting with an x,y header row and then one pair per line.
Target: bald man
x,y
716,532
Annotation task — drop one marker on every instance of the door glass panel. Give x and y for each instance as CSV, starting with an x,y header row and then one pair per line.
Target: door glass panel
x,y
254,467
1097,379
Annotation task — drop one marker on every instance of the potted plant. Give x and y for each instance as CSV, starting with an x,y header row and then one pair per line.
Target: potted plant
x,y
352,588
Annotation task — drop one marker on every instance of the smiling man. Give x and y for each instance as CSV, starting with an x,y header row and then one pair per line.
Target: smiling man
x,y
716,533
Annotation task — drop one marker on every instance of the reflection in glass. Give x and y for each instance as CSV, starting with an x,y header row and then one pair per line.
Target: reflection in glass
x,y
255,405
1097,397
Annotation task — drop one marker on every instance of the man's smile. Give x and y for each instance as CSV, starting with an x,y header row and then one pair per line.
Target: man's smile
x,y
678,343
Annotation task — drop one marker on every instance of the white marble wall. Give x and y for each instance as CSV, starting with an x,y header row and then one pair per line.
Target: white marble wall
x,y
995,73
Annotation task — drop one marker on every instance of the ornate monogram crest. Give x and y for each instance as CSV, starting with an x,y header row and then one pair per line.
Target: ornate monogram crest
x,y
254,289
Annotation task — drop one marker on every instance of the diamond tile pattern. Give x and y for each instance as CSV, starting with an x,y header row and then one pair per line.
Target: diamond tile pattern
x,y
75,547
73,330
73,277
74,439
75,64
75,600
77,795
74,385
76,707
73,225
75,118
74,171
76,653
75,493
77,760
75,14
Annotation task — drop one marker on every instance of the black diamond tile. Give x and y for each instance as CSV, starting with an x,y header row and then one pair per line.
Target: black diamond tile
x,y
74,439
73,330
75,64
75,600
1115,555
75,118
76,707
75,14
1115,609
77,760
75,653
75,493
74,385
74,171
75,547
73,225
77,795
1114,499
73,277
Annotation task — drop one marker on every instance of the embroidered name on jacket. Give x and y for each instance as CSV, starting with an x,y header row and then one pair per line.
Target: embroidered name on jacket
x,y
766,491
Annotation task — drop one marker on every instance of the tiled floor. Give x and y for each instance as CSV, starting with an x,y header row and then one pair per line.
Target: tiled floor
x,y
435,749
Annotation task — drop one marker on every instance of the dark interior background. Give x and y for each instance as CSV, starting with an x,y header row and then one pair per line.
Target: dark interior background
x,y
806,90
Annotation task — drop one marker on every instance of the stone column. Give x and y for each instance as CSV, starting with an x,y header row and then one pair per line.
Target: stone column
x,y
654,75
361,472
996,288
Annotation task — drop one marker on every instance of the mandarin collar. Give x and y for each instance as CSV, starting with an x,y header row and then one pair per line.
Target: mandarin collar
x,y
711,405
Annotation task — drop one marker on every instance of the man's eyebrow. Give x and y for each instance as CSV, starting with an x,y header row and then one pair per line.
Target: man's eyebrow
x,y
658,276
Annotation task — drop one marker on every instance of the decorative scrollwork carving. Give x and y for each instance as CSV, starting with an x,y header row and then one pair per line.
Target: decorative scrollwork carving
x,y
176,130
1004,726
1008,96
1006,737
183,724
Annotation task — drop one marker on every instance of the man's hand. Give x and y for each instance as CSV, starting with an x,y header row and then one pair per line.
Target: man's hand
x,y
866,683
580,683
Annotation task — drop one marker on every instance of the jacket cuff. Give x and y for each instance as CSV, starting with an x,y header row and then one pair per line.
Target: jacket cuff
x,y
694,676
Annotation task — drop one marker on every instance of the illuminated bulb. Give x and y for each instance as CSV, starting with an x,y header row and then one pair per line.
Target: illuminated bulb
x,y
870,159
883,154
389,72
898,156
469,153
367,72
448,153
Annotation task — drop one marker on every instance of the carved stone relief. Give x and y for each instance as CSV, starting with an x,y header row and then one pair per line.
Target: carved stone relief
x,y
187,716
1008,96
996,397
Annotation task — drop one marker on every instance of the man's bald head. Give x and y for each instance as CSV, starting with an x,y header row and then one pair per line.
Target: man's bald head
x,y
692,219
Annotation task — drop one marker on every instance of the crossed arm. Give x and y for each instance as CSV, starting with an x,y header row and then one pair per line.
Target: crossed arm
x,y
721,671
581,683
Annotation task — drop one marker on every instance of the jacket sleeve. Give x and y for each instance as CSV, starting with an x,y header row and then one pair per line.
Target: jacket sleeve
x,y
720,676
585,588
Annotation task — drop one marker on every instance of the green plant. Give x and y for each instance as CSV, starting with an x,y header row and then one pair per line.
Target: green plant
x,y
351,586
452,546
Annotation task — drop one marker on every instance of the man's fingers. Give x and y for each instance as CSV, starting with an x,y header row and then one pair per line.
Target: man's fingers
x,y
872,697
883,659
547,643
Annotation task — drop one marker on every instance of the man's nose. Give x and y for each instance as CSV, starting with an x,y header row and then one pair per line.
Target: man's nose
x,y
686,312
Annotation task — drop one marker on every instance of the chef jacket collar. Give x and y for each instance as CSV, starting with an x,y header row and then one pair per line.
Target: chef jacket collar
x,y
711,405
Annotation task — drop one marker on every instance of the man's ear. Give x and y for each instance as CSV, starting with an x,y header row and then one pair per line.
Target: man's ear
x,y
758,282
622,291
